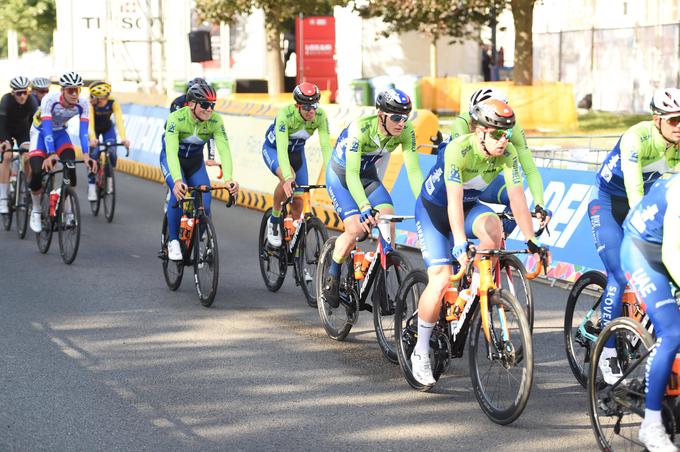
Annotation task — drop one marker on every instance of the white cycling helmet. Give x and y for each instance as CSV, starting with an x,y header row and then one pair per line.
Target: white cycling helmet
x,y
486,93
19,83
666,102
41,83
70,79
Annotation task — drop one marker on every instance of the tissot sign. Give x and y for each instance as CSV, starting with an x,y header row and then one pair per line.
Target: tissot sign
x,y
315,44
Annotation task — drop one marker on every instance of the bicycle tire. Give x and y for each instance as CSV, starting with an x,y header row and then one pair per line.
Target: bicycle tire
x,y
24,207
109,199
513,263
597,388
308,259
206,257
384,299
8,217
96,205
347,316
523,353
574,342
44,237
273,278
69,232
173,271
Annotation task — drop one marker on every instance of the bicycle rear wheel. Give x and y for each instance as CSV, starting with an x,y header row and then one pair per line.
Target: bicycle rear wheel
x,y
385,289
172,270
109,196
336,321
68,225
582,322
273,261
616,411
95,205
502,369
24,206
517,283
314,235
44,237
206,261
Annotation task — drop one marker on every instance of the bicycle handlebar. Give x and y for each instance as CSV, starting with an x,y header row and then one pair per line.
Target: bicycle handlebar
x,y
206,189
303,188
541,266
105,147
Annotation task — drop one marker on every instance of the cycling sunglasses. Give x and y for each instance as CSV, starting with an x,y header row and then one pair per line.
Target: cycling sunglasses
x,y
497,134
398,118
72,90
205,105
20,93
41,91
309,107
674,121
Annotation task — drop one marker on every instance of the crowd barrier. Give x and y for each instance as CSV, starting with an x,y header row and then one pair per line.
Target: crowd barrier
x,y
567,192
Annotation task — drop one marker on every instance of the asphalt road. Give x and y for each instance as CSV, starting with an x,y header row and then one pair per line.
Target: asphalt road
x,y
100,355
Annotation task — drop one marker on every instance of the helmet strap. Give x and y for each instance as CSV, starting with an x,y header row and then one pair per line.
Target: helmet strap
x,y
486,151
384,124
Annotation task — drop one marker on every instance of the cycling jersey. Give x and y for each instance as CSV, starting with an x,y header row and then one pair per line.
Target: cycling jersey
x,y
53,115
15,118
461,126
101,119
464,163
179,102
289,132
360,146
185,137
638,159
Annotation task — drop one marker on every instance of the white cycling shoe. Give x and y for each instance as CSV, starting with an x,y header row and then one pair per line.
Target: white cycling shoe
x,y
174,251
609,366
273,234
421,368
36,222
4,206
91,192
653,435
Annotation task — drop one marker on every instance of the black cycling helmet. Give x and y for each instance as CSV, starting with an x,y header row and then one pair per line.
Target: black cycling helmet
x,y
394,101
195,80
200,92
306,93
493,113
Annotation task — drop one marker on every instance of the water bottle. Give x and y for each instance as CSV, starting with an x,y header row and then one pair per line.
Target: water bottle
x,y
358,259
14,171
54,199
288,227
183,227
464,296
190,228
368,258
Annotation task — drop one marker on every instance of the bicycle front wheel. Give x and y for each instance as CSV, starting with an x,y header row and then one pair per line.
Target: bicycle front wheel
x,y
273,261
583,322
384,297
172,270
44,237
616,411
95,205
336,321
24,205
206,261
7,217
109,193
514,278
314,236
68,224
502,369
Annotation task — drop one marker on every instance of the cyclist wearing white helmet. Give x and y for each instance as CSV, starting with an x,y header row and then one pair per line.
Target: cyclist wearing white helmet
x,y
50,139
643,153
39,87
16,110
497,192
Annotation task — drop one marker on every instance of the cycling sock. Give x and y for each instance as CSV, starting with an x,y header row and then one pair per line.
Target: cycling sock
x,y
3,190
424,333
36,203
276,213
652,416
91,179
335,268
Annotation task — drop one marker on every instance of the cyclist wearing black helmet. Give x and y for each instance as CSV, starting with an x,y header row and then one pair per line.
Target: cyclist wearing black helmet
x,y
186,133
181,101
352,178
283,150
448,211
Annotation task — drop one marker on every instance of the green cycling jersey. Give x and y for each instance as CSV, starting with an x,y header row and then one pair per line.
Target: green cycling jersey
x,y
291,132
187,136
461,126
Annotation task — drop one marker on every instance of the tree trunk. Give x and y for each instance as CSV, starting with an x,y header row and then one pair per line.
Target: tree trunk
x,y
433,58
523,15
274,62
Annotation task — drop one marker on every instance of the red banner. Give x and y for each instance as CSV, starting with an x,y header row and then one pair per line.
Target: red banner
x,y
315,47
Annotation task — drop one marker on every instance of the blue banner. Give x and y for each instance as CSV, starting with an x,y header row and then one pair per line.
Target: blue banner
x,y
144,126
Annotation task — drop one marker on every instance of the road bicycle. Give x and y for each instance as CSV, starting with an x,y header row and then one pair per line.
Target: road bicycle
x,y
198,242
18,195
105,182
60,212
377,274
500,346
300,247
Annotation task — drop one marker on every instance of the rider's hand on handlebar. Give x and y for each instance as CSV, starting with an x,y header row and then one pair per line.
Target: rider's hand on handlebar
x,y
90,163
544,215
126,143
535,246
367,218
5,146
460,253
233,187
288,187
94,142
49,162
180,189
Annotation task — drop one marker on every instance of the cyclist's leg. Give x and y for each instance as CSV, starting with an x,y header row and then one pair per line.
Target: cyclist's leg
x,y
66,152
4,179
95,151
496,192
110,137
481,222
174,212
299,164
651,281
199,176
380,198
272,161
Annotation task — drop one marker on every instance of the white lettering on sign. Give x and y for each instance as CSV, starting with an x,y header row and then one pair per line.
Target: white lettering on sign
x,y
145,132
318,49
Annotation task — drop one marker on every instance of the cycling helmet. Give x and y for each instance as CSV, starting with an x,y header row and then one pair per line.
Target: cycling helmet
x,y
41,83
19,82
100,89
666,102
200,92
195,80
484,94
70,79
306,93
493,113
393,101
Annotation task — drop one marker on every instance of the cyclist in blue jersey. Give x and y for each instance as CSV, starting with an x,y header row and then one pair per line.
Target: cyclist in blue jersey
x,y
650,257
643,153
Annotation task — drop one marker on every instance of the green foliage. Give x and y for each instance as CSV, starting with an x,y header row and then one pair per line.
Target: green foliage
x,y
455,19
33,19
